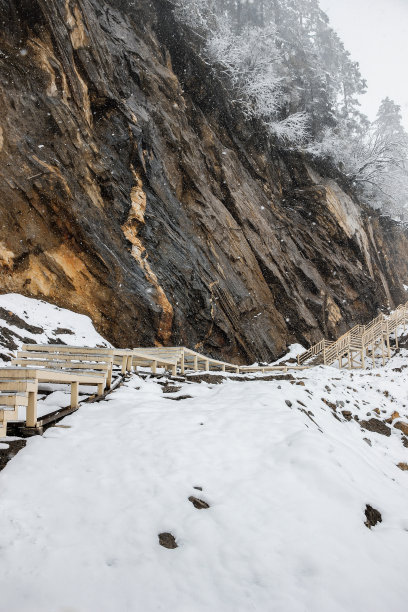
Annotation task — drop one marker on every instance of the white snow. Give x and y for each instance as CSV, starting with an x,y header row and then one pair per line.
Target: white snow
x,y
81,508
293,351
49,318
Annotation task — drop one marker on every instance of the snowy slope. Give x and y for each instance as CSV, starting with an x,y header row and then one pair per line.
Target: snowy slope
x,y
26,320
286,475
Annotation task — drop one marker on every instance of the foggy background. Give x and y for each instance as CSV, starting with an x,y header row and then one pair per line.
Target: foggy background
x,y
376,34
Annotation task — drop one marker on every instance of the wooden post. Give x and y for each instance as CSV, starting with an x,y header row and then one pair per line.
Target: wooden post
x,y
124,364
388,346
174,370
154,367
195,366
207,364
129,363
101,388
396,336
382,350
362,359
223,367
74,395
182,364
31,415
109,378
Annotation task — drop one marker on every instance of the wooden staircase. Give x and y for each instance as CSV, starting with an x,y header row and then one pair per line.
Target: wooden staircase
x,y
356,345
13,393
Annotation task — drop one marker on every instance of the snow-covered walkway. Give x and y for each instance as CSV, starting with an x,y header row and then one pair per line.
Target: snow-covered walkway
x,y
81,507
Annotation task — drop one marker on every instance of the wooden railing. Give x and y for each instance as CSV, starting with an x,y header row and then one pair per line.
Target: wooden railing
x,y
359,340
313,352
94,366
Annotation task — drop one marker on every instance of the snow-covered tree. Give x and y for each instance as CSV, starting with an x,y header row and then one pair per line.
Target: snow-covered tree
x,y
283,59
287,68
375,161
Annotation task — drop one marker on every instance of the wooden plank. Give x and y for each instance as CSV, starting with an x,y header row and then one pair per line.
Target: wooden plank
x,y
17,385
72,365
108,359
13,399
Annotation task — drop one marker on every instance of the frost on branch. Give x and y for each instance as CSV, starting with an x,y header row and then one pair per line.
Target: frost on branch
x,y
249,60
293,130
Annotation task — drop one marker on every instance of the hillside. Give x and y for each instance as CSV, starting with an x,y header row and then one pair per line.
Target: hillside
x,y
287,467
132,192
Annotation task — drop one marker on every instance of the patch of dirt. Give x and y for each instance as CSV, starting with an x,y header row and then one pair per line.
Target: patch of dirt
x,y
310,416
377,426
373,516
13,319
214,379
167,540
6,454
170,389
403,466
64,331
8,339
200,504
180,397
329,404
217,379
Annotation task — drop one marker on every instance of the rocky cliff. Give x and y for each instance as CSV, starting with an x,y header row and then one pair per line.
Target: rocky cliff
x,y
132,191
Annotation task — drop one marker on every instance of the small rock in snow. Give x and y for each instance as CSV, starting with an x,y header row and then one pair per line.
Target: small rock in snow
x,y
198,503
402,427
167,540
373,516
377,426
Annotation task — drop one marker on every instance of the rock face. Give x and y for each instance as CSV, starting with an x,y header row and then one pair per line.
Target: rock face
x,y
132,191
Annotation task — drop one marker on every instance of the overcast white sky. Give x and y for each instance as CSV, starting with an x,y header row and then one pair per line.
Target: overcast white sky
x,y
376,34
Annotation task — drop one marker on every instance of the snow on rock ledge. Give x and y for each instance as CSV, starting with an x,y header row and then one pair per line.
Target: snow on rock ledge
x,y
24,320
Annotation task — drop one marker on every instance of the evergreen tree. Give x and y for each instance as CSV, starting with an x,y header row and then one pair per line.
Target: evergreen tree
x,y
389,119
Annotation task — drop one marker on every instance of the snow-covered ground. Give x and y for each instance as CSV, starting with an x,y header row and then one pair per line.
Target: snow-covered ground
x,y
26,320
286,475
